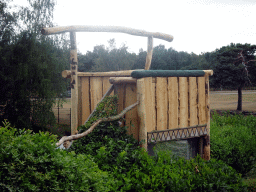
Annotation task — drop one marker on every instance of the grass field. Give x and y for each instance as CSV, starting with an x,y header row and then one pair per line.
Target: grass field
x,y
227,100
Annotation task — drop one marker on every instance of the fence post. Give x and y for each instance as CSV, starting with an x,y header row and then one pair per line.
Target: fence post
x,y
58,114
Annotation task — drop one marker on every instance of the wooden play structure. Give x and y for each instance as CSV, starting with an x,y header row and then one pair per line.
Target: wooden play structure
x,y
172,104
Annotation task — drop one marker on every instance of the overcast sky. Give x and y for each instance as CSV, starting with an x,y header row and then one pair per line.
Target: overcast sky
x,y
197,25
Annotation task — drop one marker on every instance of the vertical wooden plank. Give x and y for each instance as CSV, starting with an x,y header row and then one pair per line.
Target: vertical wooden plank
x,y
79,107
131,117
106,85
173,97
161,102
201,146
95,90
183,98
142,112
201,100
119,90
153,95
150,107
193,119
85,97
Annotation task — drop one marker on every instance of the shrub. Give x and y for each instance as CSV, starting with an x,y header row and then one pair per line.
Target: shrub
x,y
31,162
168,173
135,170
107,140
233,141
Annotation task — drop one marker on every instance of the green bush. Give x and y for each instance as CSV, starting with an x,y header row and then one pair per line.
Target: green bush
x,y
165,173
31,162
233,141
116,152
107,140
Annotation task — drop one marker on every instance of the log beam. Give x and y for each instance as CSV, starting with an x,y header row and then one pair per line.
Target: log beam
x,y
115,29
118,80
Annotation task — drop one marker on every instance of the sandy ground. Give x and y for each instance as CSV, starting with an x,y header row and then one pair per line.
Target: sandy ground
x,y
219,100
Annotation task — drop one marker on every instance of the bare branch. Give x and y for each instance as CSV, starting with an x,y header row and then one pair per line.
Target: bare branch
x,y
112,118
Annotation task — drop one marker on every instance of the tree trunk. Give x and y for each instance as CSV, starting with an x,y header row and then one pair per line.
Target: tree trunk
x,y
239,103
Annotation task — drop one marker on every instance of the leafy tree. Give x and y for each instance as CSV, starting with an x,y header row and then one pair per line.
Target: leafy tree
x,y
37,15
203,61
112,58
164,59
31,70
8,20
140,60
235,67
31,67
87,61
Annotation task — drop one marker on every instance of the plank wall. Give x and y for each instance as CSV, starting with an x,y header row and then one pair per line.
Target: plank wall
x,y
93,88
170,102
175,102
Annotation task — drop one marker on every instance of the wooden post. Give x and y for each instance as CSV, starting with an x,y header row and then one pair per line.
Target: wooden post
x,y
141,90
73,83
207,102
183,99
149,54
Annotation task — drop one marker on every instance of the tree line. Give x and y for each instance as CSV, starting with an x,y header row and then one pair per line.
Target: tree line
x,y
31,64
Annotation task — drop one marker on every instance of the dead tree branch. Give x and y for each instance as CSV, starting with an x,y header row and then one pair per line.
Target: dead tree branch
x,y
112,118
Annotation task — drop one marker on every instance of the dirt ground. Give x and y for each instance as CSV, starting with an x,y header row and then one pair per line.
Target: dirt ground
x,y
219,100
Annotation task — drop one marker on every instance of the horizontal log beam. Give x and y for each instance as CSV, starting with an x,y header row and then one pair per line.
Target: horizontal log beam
x,y
119,80
126,73
115,29
208,72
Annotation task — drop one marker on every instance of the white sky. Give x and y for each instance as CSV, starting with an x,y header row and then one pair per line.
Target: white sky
x,y
197,25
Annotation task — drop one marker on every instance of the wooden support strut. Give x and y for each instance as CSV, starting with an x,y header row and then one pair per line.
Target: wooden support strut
x,y
149,53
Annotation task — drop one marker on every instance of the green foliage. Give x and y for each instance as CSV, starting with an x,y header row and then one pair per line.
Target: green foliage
x,y
31,65
229,71
8,20
107,140
116,152
164,59
31,69
233,141
31,162
107,59
37,15
164,173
